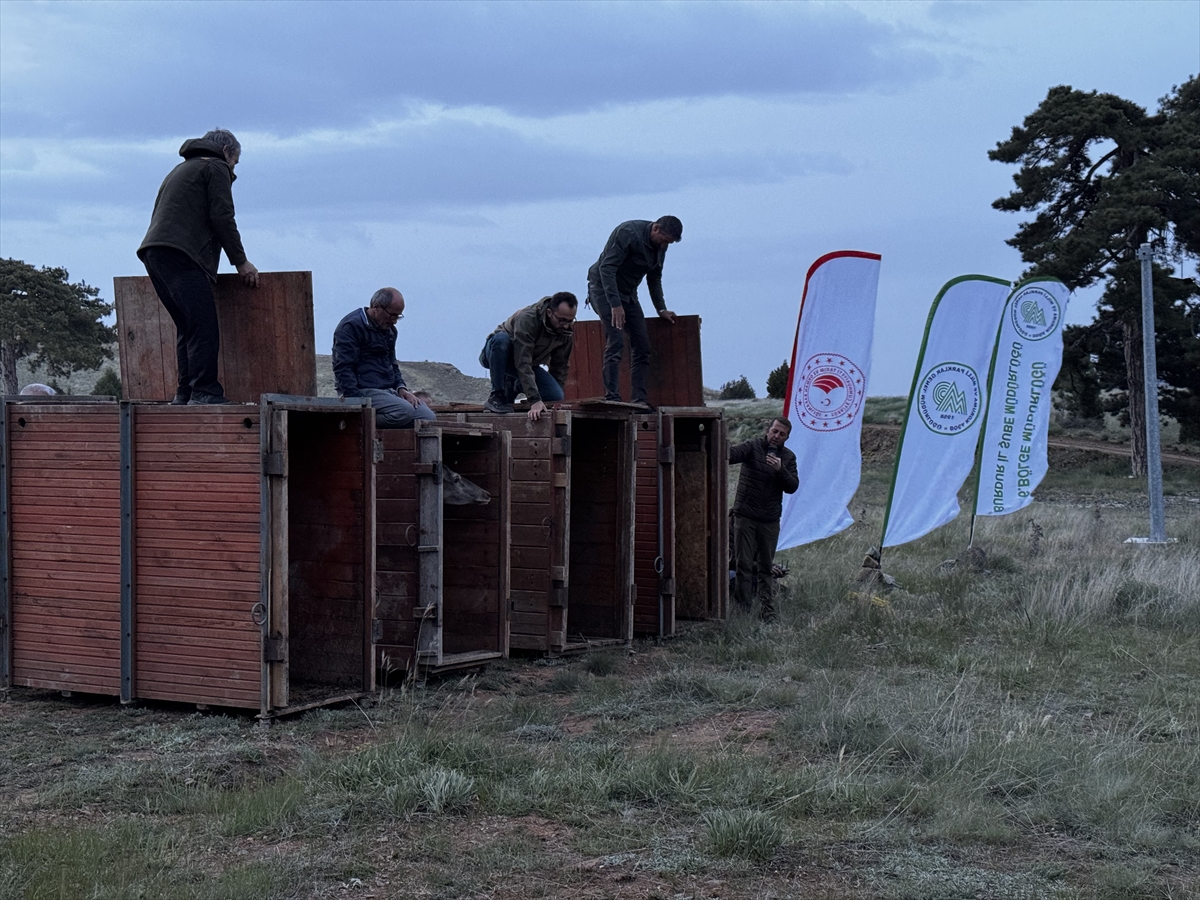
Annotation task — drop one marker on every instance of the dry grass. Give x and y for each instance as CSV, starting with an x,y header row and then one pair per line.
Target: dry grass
x,y
1021,724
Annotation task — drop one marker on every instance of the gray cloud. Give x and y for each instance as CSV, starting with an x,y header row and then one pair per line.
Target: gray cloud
x,y
446,165
105,69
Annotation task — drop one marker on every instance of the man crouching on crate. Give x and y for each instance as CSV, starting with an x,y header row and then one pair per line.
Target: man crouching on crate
x,y
364,362
540,334
768,472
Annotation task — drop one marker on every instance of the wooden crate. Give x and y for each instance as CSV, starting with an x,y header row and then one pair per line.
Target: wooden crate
x,y
572,527
250,553
676,375
681,554
442,571
60,545
266,337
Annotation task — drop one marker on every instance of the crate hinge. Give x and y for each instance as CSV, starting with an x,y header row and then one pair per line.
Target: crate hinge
x,y
274,463
275,648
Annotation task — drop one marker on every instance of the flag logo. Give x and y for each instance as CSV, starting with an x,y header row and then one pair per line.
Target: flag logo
x,y
949,399
830,393
1035,312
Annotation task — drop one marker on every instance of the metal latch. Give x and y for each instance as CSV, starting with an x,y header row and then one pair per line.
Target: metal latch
x,y
377,454
429,468
275,648
274,463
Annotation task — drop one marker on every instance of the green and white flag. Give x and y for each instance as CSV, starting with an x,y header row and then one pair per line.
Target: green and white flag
x,y
1012,460
945,407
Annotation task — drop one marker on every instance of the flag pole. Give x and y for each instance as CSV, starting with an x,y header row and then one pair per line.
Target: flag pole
x,y
987,411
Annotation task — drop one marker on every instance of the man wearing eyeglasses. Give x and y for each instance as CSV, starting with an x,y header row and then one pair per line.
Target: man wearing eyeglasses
x,y
635,250
364,362
538,335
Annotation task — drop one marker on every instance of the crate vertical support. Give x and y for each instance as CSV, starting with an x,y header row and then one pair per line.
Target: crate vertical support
x,y
504,587
274,428
560,532
429,647
371,626
128,609
5,556
629,534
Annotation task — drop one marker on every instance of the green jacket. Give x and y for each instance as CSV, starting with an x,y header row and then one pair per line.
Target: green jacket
x,y
534,343
193,212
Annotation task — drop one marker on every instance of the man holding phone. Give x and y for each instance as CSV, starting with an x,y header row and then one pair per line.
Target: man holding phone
x,y
768,472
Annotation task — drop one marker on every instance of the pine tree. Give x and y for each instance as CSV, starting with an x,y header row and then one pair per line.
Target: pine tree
x,y
49,321
1103,176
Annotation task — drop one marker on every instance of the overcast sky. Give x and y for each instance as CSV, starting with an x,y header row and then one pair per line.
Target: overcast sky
x,y
476,156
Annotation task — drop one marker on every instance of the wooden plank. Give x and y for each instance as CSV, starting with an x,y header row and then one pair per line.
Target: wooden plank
x,y
267,337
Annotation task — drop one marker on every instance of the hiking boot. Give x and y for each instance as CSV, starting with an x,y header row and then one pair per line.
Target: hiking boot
x,y
498,405
199,398
181,398
643,405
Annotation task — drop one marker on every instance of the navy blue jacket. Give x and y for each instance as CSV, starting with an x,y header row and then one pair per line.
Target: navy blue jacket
x,y
364,356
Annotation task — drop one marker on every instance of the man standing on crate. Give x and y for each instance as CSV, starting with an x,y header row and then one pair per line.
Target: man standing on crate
x,y
635,250
538,335
192,222
364,362
768,472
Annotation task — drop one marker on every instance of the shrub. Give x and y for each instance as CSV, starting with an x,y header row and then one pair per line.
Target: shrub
x,y
108,384
777,381
738,389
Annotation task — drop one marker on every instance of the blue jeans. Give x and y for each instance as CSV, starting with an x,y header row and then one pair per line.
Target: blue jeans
x,y
506,383
395,412
614,348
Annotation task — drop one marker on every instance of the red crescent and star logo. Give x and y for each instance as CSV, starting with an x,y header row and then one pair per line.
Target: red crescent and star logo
x,y
830,393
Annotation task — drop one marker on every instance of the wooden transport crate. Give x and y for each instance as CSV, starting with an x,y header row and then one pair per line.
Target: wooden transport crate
x,y
266,337
60,545
572,527
250,553
219,555
442,570
675,378
681,550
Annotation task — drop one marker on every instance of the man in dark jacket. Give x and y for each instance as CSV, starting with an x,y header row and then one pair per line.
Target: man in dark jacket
x,y
364,361
635,250
538,335
768,472
192,222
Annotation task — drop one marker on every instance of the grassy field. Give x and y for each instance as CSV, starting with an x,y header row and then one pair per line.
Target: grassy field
x,y
1018,723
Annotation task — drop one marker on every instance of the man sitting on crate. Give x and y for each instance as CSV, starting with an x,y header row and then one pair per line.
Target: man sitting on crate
x,y
768,472
635,250
364,362
541,334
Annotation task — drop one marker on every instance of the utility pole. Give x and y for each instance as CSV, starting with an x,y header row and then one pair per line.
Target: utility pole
x,y
1158,527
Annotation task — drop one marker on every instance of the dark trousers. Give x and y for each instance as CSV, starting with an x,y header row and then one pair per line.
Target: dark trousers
x,y
187,293
614,349
754,544
506,383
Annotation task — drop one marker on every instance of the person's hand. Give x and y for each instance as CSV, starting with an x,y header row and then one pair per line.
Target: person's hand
x,y
618,318
249,273
774,462
535,411
406,394
667,314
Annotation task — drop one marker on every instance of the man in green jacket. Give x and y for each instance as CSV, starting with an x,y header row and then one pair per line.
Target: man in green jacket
x,y
538,335
193,221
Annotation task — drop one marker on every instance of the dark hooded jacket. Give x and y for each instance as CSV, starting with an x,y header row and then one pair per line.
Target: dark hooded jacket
x,y
534,343
760,488
194,209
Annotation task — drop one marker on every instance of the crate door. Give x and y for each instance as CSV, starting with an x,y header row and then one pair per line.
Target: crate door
x,y
429,614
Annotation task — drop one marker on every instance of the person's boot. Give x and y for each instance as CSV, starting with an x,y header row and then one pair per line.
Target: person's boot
x,y
199,398
767,613
181,397
497,403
